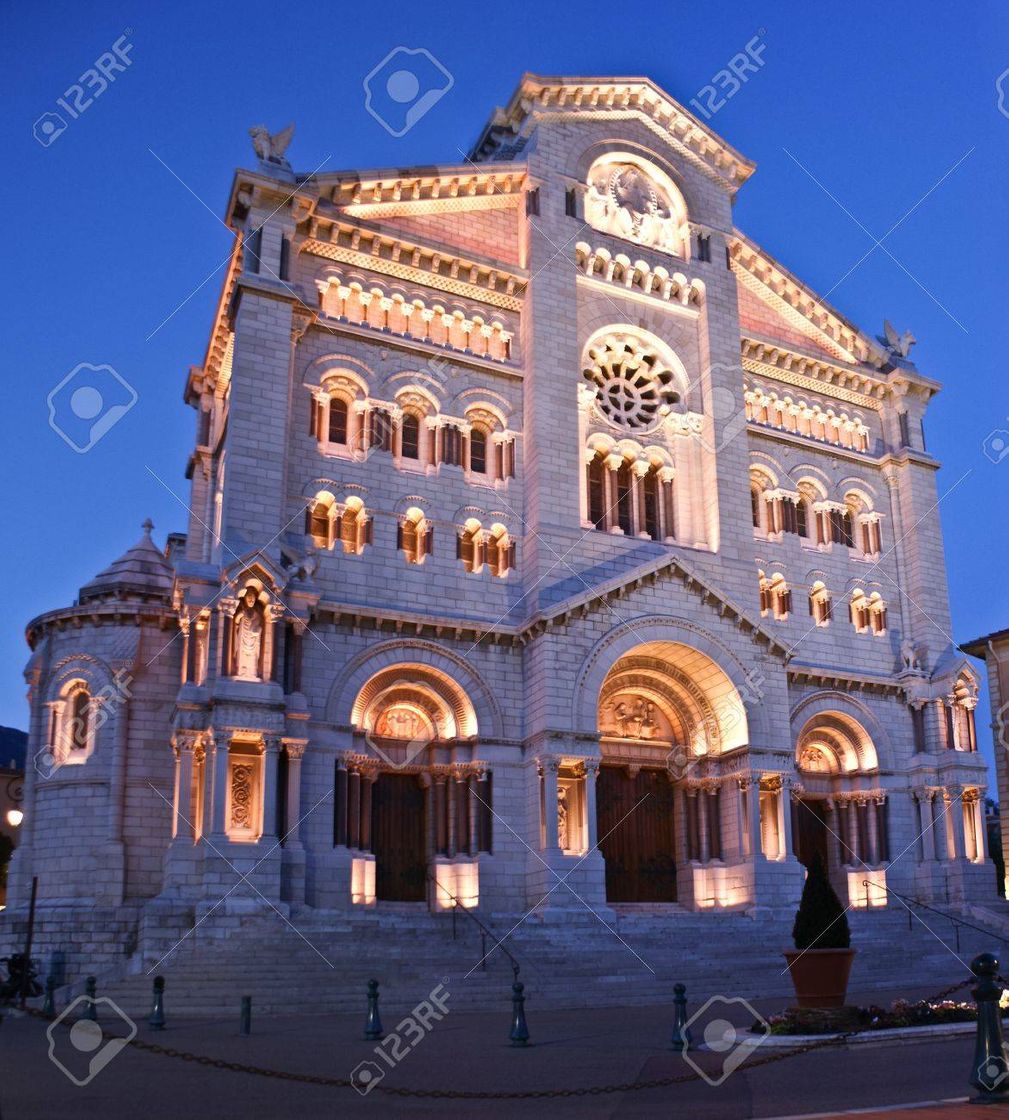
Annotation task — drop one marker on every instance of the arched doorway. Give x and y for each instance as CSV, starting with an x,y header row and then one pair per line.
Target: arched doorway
x,y
664,709
839,811
415,804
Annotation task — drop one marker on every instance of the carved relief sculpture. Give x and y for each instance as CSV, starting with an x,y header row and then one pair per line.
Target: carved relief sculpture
x,y
241,797
624,200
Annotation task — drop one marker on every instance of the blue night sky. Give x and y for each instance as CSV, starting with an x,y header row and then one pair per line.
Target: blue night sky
x,y
114,243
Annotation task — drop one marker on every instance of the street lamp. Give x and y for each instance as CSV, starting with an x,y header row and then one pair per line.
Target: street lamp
x,y
15,817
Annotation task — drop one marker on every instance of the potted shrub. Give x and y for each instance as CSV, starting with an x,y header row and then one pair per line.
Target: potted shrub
x,y
821,961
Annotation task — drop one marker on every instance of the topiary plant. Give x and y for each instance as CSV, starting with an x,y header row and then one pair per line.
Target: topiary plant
x,y
820,922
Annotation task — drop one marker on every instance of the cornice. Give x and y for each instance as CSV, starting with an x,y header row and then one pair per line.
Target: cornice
x,y
843,680
100,614
408,260
613,98
853,385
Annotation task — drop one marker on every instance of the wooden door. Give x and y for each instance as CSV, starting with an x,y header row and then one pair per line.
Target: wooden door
x,y
398,838
636,834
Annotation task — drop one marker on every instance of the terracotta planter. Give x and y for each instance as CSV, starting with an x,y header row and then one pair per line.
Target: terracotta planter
x,y
820,976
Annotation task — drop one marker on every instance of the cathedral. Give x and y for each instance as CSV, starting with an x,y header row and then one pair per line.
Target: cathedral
x,y
550,547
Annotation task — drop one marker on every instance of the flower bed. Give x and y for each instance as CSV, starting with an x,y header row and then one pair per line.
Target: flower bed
x,y
901,1013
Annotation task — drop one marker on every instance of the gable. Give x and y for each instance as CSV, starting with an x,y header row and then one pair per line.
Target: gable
x,y
757,317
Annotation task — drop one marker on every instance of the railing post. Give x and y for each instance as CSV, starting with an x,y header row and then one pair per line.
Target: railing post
x,y
519,1034
156,1020
682,1038
49,1006
990,1071
245,1016
90,989
373,1024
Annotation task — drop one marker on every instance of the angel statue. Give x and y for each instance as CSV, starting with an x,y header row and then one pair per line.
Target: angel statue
x,y
270,147
900,344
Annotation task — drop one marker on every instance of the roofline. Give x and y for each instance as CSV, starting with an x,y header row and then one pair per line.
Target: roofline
x,y
515,108
977,647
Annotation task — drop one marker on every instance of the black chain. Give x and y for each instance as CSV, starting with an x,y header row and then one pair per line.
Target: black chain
x,y
487,1094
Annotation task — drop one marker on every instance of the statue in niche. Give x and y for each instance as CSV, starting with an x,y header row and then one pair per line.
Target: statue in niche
x,y
247,638
909,655
623,200
562,818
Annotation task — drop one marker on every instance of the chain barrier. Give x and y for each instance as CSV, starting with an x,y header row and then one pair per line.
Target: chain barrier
x,y
489,1094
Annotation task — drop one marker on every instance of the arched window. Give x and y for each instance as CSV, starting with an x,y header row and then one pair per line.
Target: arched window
x,y
415,537
72,724
410,436
858,611
79,727
380,429
470,546
500,551
775,596
339,417
478,451
596,485
319,518
877,613
630,493
355,526
820,604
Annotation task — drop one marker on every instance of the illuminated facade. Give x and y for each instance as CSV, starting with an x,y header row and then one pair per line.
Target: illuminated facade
x,y
542,524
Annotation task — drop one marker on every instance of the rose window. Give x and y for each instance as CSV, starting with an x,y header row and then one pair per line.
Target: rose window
x,y
633,389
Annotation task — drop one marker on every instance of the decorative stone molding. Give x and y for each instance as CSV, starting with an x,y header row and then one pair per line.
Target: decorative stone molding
x,y
412,318
590,99
638,277
433,268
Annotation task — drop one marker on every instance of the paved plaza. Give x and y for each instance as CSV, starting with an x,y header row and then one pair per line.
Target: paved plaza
x,y
469,1052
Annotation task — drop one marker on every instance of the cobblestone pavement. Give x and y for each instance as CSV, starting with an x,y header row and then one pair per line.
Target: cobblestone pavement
x,y
464,1052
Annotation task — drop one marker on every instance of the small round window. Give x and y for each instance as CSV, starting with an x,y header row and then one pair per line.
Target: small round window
x,y
633,388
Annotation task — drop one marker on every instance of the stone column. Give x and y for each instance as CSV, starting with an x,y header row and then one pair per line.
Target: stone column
x,y
834,855
591,822
354,808
341,802
638,471
368,779
854,843
549,769
703,836
613,462
923,799
295,752
753,810
940,825
271,760
956,816
785,848
873,855
219,794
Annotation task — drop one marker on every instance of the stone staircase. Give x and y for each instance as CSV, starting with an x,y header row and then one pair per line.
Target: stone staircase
x,y
315,962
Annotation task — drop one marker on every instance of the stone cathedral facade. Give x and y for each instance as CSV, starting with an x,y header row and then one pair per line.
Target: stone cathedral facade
x,y
541,525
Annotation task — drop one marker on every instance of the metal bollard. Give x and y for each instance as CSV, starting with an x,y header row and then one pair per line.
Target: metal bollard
x,y
373,1024
682,1038
245,1021
990,1071
90,988
156,1020
519,1034
49,1005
